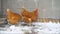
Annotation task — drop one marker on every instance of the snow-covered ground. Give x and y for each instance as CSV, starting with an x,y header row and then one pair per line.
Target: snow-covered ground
x,y
38,28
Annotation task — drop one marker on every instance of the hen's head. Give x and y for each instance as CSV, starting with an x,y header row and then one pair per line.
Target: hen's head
x,y
24,10
8,10
35,10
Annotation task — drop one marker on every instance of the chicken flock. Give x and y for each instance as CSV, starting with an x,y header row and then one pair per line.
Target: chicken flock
x,y
28,17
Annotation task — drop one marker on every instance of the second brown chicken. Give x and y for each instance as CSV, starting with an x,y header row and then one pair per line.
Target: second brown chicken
x,y
29,16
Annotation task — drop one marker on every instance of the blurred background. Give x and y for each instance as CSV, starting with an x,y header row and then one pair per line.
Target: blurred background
x,y
47,8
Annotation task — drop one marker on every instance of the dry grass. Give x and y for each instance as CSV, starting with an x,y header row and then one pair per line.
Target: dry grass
x,y
48,19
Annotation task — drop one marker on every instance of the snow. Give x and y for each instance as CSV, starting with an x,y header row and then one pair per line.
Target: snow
x,y
39,28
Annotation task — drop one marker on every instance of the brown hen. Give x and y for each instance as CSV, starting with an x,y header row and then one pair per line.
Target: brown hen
x,y
29,15
12,18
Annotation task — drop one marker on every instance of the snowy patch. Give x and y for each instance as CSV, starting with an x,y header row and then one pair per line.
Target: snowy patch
x,y
38,28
